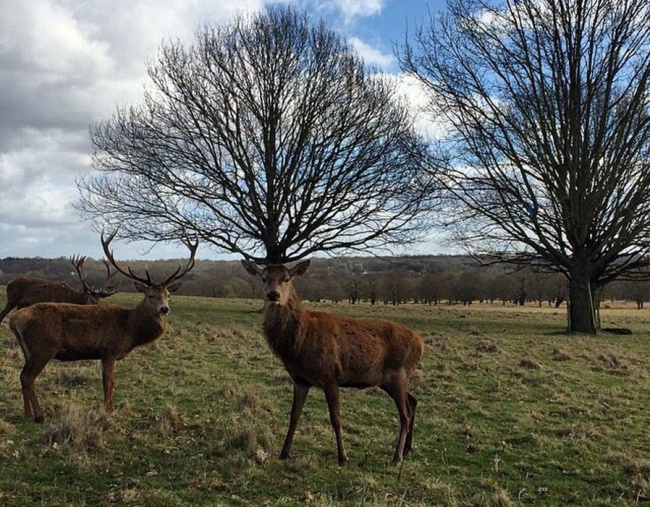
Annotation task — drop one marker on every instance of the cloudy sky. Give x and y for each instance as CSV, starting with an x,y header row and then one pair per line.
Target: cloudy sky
x,y
66,64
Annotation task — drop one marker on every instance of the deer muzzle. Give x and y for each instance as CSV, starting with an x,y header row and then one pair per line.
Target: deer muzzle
x,y
273,296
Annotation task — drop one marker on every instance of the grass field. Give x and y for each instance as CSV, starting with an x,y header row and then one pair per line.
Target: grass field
x,y
512,411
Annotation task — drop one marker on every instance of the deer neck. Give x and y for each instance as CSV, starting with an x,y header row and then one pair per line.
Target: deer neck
x,y
282,322
78,298
146,325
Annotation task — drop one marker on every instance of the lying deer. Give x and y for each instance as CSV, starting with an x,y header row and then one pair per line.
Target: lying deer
x,y
323,350
69,332
23,291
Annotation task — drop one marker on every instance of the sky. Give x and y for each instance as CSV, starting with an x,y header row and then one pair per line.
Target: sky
x,y
68,64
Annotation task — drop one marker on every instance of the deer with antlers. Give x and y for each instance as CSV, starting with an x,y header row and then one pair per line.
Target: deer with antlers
x,y
24,291
68,332
327,351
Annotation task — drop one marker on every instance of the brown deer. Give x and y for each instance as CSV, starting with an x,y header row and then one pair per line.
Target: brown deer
x,y
68,332
327,351
23,291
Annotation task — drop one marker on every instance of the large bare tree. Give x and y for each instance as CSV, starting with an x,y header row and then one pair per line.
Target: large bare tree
x,y
549,104
268,137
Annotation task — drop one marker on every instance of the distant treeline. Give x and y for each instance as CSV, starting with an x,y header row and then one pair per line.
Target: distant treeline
x,y
446,279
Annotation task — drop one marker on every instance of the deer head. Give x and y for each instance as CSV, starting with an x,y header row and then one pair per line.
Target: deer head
x,y
156,295
277,279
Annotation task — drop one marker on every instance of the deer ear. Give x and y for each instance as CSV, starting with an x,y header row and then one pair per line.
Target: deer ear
x,y
140,287
174,287
251,267
299,269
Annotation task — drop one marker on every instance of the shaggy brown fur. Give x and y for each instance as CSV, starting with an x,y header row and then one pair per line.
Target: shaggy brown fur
x,y
327,351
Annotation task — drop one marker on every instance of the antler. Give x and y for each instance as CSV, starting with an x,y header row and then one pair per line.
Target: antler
x,y
109,290
190,263
148,281
78,262
109,255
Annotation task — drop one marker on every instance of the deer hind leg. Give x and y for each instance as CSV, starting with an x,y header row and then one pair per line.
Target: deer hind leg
x,y
34,364
108,381
412,403
6,310
300,392
332,397
396,389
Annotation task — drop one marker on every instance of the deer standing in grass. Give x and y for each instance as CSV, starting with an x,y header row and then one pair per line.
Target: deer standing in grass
x,y
69,332
327,351
24,291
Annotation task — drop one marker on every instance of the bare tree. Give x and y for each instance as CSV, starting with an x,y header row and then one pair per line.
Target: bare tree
x,y
269,138
549,104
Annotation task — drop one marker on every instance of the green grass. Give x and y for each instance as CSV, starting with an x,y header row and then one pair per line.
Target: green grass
x,y
511,412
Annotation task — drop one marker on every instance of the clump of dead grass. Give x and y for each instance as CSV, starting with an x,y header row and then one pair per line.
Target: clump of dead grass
x,y
77,427
529,362
610,360
476,332
560,355
170,421
6,428
248,439
487,346
72,377
250,400
629,464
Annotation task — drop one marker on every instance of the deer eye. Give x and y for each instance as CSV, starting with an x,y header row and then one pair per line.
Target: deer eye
x,y
287,279
265,279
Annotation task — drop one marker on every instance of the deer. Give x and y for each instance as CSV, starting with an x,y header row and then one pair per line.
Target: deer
x,y
106,332
25,291
331,352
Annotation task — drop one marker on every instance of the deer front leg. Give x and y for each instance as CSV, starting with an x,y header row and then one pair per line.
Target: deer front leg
x,y
33,366
300,392
108,380
332,397
30,401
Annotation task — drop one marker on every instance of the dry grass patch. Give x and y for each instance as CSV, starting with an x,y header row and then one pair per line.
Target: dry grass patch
x,y
487,346
170,422
560,355
77,427
529,363
610,360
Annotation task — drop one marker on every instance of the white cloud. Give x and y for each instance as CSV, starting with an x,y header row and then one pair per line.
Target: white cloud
x,y
419,99
352,9
371,55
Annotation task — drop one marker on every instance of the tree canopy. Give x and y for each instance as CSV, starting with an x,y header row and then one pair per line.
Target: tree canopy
x,y
269,138
549,103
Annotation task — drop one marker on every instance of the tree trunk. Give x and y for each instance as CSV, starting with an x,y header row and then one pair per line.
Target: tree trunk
x,y
582,311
